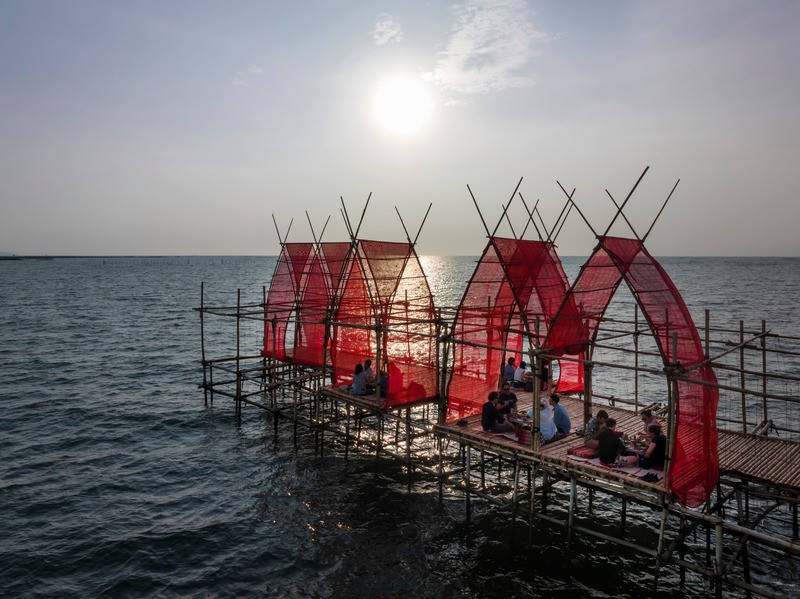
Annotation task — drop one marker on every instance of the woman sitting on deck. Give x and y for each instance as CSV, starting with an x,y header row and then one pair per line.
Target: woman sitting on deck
x,y
547,427
593,429
491,420
359,386
656,452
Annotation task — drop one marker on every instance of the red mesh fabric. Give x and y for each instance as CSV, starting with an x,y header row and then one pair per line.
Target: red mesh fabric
x,y
387,282
695,467
516,284
570,376
319,292
284,291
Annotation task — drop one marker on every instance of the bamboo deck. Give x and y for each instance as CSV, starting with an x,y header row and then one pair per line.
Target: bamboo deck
x,y
765,460
554,455
761,459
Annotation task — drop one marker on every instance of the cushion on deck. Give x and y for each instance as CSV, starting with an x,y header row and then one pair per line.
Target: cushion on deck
x,y
583,452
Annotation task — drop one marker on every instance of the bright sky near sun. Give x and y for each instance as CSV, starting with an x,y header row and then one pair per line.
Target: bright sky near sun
x,y
181,127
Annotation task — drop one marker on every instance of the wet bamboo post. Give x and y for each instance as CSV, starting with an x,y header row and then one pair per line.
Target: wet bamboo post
x,y
662,531
515,496
440,444
587,393
544,491
672,394
536,421
764,368
532,488
211,381
347,433
742,381
467,474
682,549
263,355
378,444
443,350
203,342
483,470
238,352
718,569
408,447
636,357
573,497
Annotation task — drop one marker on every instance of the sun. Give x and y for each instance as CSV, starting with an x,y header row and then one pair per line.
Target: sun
x,y
402,105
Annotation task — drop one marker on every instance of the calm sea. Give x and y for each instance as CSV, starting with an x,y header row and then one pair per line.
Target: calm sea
x,y
117,481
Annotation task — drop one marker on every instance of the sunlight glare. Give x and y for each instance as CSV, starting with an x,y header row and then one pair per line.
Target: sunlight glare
x,y
402,105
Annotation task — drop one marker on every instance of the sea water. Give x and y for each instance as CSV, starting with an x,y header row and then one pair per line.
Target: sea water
x,y
117,481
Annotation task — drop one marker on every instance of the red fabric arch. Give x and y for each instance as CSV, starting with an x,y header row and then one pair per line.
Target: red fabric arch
x,y
695,467
284,292
385,281
515,283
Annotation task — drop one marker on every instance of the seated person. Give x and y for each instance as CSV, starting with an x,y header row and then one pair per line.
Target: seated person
x,y
544,375
359,386
547,427
383,383
560,416
594,427
509,370
609,445
369,373
647,419
656,452
491,421
521,376
506,400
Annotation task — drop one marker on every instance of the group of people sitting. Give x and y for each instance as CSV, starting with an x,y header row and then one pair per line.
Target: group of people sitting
x,y
601,434
554,421
364,380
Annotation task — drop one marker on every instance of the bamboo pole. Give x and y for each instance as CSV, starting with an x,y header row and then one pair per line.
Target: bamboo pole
x,y
203,342
742,381
764,367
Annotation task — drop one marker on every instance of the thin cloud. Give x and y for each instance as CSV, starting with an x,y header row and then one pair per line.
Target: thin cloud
x,y
491,41
387,30
246,77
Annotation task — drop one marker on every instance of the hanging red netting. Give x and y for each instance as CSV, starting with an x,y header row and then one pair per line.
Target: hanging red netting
x,y
517,284
694,471
319,293
385,284
695,464
570,376
284,290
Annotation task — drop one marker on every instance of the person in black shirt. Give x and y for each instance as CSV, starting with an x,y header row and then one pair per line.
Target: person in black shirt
x,y
655,454
609,445
506,400
491,421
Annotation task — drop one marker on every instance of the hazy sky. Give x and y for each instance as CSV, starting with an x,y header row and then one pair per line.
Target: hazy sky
x,y
181,127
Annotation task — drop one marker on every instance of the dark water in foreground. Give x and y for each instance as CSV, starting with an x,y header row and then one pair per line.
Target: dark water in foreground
x,y
116,481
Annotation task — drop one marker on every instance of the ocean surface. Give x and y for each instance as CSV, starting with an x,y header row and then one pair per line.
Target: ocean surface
x,y
117,481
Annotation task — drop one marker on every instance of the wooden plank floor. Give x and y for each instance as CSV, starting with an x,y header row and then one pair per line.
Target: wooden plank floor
x,y
555,454
767,460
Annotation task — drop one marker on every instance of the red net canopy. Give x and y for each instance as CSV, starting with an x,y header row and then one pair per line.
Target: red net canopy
x,y
695,467
284,293
385,284
516,284
319,294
